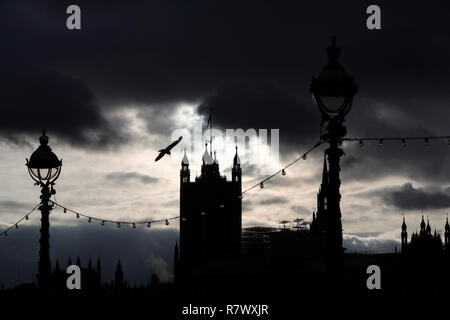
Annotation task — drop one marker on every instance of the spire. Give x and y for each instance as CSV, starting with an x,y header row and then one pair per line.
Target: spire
x,y
57,265
207,159
236,160
428,226
324,172
422,224
210,130
404,223
447,226
215,158
185,158
236,172
118,276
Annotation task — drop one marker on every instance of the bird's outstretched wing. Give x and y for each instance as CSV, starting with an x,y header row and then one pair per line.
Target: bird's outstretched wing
x,y
162,152
173,144
160,155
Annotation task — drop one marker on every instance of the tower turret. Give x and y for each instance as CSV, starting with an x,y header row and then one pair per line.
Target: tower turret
x,y
322,202
428,227
185,173
422,227
118,277
404,235
236,172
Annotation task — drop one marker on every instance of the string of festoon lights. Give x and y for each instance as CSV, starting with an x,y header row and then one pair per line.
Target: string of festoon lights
x,y
403,140
118,223
149,223
16,225
282,171
260,184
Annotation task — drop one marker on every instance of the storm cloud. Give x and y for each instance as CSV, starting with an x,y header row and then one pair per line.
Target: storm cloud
x,y
252,64
409,198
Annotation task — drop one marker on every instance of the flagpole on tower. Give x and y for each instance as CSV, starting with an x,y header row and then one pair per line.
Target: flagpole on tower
x,y
210,130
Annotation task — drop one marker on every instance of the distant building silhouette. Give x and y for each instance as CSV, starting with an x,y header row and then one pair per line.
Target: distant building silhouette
x,y
210,215
424,242
318,224
447,235
119,283
90,277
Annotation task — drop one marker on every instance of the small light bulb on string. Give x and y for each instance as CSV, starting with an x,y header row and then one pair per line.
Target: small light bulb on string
x,y
26,217
103,223
261,185
183,219
16,226
240,196
222,206
134,225
361,143
380,143
426,142
403,142
65,210
149,225
78,216
90,220
118,224
304,157
283,173
167,222
203,213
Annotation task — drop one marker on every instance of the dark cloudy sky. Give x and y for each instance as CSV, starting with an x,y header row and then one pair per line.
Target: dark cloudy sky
x,y
111,94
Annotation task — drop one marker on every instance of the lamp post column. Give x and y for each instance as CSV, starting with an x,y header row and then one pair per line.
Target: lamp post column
x,y
44,168
333,91
44,266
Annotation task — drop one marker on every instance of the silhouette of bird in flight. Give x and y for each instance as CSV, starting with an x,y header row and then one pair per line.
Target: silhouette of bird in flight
x,y
162,152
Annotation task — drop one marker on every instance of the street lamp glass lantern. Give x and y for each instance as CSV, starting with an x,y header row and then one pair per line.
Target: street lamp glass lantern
x,y
44,166
333,90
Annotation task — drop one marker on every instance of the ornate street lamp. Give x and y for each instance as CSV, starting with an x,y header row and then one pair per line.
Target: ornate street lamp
x,y
333,91
44,168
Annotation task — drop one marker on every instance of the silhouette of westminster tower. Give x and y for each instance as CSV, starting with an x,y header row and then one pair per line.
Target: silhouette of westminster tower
x,y
210,215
